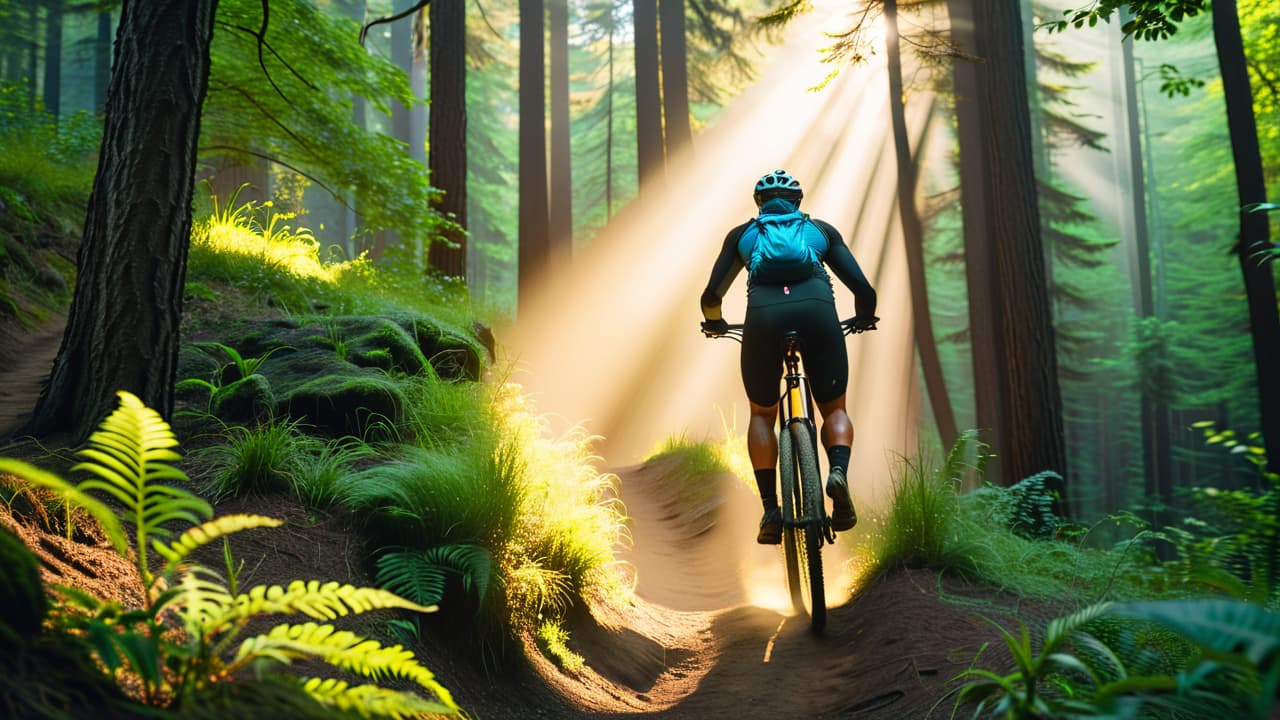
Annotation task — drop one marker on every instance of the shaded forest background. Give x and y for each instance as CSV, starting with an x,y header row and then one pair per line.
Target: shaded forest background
x,y
1136,208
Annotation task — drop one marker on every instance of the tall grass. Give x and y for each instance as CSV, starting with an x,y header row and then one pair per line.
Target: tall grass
x,y
932,523
252,246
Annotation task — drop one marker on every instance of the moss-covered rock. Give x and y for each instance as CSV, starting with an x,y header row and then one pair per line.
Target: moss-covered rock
x,y
345,404
245,399
21,592
338,374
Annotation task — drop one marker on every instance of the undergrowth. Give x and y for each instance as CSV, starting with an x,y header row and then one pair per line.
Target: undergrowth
x,y
466,501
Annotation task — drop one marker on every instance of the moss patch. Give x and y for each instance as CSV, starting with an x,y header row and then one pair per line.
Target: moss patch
x,y
340,374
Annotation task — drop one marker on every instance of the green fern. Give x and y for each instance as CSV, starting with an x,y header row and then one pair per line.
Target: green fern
x,y
371,699
322,601
342,649
420,575
207,532
131,454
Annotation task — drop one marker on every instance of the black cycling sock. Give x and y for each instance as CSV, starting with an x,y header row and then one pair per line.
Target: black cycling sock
x,y
838,457
767,482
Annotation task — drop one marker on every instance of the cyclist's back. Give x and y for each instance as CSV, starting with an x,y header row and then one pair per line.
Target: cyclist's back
x,y
792,293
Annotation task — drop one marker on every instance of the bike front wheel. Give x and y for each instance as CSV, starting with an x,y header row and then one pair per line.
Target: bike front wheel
x,y
803,509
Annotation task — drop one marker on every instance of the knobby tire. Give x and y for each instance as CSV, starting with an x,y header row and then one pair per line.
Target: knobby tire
x,y
791,540
805,496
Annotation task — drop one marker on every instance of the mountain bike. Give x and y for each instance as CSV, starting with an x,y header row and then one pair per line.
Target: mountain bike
x,y
806,527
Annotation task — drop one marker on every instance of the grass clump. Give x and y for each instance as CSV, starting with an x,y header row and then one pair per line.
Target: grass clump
x,y
983,536
553,640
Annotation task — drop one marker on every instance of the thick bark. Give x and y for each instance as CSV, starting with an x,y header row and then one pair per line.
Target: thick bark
x,y
1259,284
122,330
1031,401
561,212
448,131
53,57
1025,336
649,155
913,237
675,77
988,364
534,245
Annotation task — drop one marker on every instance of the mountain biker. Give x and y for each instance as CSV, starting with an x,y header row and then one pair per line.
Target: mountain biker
x,y
785,299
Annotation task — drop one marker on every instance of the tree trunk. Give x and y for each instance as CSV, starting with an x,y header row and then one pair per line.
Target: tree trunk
x,y
1157,472
1031,401
53,57
649,156
675,77
534,245
448,131
122,330
1264,321
988,364
913,237
102,60
561,213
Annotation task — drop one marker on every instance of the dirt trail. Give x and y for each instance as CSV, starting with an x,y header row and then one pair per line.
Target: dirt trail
x,y
692,646
25,362
699,642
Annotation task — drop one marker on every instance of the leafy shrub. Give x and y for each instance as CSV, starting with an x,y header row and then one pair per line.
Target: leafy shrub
x,y
1167,659
129,456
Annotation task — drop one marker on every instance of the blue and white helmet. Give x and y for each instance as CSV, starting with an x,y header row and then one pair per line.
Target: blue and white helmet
x,y
779,181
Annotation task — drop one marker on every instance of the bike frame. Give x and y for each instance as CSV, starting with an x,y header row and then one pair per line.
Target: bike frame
x,y
796,406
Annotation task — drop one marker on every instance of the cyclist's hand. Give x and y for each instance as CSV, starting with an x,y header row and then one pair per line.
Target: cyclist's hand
x,y
862,323
714,328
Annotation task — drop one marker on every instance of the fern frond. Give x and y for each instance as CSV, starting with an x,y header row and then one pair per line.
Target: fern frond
x,y
207,532
344,650
372,700
1061,628
201,599
322,601
129,455
105,516
419,575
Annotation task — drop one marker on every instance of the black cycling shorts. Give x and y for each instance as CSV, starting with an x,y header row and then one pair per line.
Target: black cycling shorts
x,y
822,349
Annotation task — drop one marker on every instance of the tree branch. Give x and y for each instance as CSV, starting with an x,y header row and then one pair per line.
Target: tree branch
x,y
364,31
278,161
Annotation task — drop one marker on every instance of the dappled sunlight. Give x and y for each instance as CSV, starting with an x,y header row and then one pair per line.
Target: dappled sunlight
x,y
276,246
614,342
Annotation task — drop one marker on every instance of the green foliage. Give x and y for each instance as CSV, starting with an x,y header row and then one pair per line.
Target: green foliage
x,y
420,575
129,456
553,641
1151,19
972,535
1232,542
1181,658
292,102
21,592
255,459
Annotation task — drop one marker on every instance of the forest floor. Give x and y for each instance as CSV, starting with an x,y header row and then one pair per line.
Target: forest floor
x,y
689,645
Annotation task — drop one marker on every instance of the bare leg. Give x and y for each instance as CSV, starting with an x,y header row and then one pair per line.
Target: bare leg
x,y
762,443
837,429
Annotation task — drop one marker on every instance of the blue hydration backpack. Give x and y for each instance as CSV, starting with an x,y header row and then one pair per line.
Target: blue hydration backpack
x,y
781,254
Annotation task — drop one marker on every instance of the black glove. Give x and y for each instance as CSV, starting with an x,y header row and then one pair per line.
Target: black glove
x,y
863,323
714,328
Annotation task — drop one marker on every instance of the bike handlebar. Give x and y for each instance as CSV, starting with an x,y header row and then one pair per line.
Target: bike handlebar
x,y
850,326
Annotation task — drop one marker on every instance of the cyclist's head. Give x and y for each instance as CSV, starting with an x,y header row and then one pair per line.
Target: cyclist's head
x,y
778,183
